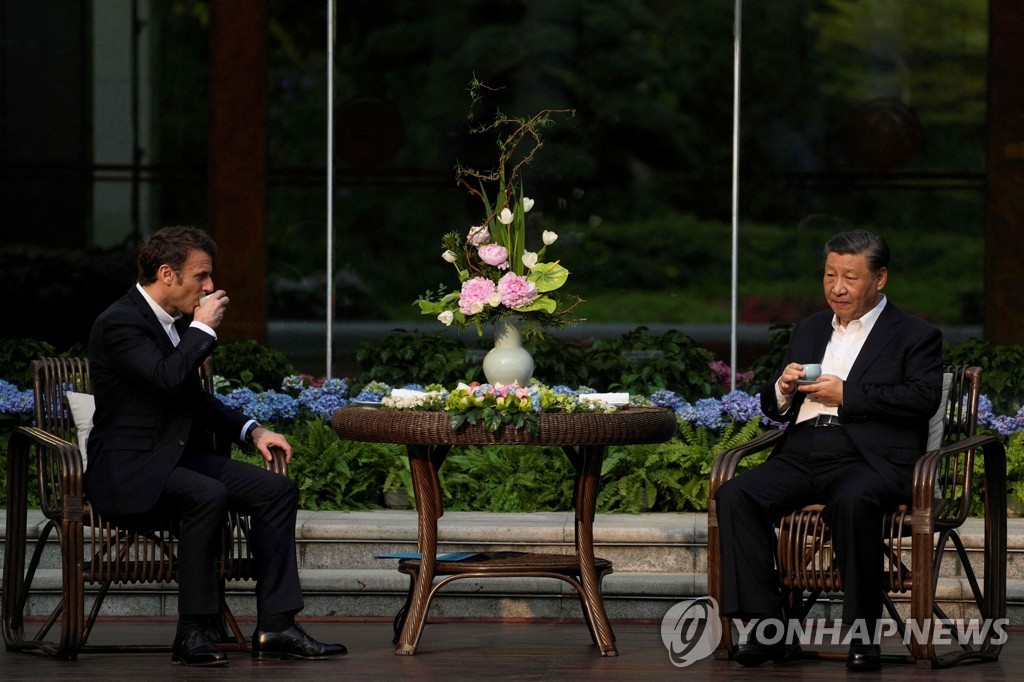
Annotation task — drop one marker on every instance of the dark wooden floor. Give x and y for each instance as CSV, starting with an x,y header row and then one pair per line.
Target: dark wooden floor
x,y
463,652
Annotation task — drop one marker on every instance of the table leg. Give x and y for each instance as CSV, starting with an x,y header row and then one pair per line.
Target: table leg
x,y
425,462
587,462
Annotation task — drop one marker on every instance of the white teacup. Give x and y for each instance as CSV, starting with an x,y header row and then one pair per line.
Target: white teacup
x,y
812,371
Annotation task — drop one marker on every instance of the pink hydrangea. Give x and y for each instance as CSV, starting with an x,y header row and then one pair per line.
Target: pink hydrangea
x,y
516,291
494,254
475,291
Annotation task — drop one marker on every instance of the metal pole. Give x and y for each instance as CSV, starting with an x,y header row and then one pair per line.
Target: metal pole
x,y
737,40
330,187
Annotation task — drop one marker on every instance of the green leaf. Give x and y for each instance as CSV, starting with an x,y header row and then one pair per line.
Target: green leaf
x,y
540,303
548,276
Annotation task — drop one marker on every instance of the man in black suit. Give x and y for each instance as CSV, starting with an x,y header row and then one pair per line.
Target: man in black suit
x,y
152,449
850,443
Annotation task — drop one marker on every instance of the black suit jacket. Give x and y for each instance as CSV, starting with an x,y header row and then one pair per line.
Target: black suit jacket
x,y
150,406
893,388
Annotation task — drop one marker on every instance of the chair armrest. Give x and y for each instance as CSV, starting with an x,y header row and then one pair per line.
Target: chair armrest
x,y
956,459
277,463
59,469
726,462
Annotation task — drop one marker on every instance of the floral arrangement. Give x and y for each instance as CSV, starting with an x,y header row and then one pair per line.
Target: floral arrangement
x,y
498,274
495,407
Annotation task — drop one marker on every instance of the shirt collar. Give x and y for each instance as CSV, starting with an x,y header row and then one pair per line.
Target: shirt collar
x,y
166,319
866,321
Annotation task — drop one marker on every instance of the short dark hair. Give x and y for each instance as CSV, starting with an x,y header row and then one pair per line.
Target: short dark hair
x,y
860,242
171,245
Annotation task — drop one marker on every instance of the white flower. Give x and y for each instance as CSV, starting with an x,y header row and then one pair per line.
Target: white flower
x,y
475,307
478,235
446,318
449,256
549,237
494,299
505,217
529,259
527,204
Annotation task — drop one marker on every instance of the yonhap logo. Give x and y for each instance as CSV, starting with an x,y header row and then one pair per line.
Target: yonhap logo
x,y
691,630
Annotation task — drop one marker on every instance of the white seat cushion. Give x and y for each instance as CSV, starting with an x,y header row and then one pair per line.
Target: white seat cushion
x,y
937,424
82,405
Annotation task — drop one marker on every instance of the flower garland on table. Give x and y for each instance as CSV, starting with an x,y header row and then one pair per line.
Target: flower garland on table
x,y
498,275
495,407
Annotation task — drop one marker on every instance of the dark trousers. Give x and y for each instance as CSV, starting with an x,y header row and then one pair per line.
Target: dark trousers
x,y
200,491
815,466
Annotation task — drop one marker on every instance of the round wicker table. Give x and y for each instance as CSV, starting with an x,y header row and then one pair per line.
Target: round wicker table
x,y
428,438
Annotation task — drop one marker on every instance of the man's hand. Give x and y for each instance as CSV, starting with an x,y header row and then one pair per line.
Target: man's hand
x,y
211,311
787,382
827,390
264,439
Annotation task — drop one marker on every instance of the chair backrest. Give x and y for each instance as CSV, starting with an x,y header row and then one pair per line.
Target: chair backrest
x,y
52,378
956,473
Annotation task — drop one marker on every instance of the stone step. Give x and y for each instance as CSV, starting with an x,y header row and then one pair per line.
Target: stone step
x,y
659,560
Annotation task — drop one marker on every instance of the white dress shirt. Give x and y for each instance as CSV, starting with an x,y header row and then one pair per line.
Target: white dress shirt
x,y
841,352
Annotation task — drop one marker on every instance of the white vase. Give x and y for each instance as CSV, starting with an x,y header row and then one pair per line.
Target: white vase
x,y
508,362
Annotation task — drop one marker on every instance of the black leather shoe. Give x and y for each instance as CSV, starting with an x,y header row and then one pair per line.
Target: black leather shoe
x,y
864,657
754,653
196,648
293,643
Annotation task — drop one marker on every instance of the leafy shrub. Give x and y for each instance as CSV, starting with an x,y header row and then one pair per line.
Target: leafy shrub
x,y
670,476
507,478
640,363
558,361
1003,376
251,364
410,357
16,356
769,363
337,474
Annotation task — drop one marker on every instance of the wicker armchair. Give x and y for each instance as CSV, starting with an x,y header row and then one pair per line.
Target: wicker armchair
x,y
93,551
918,536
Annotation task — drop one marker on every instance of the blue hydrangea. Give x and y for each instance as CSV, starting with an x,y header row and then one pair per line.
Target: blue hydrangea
x,y
241,399
293,384
338,387
668,399
708,413
321,401
985,412
270,406
741,406
373,392
15,401
562,389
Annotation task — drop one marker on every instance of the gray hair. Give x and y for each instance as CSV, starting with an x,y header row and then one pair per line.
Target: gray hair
x,y
860,242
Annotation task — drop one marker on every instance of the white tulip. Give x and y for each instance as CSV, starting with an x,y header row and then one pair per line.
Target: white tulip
x,y
446,318
527,204
475,307
529,259
449,256
494,299
549,237
505,217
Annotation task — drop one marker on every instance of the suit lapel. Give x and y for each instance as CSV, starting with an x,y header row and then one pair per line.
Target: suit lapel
x,y
147,313
883,331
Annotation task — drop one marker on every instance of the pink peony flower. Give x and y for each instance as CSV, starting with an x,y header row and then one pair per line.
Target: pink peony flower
x,y
494,254
516,291
475,291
